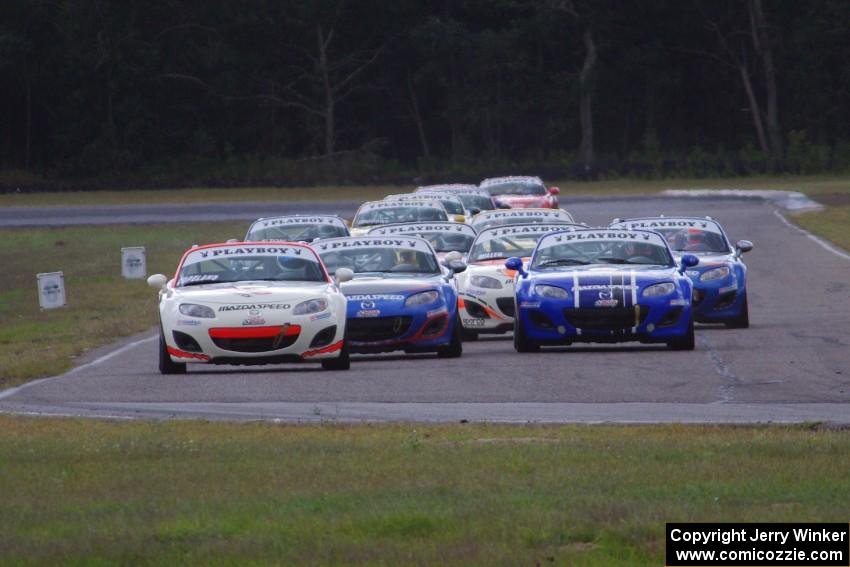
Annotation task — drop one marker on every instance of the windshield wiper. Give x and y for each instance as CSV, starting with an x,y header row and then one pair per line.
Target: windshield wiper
x,y
563,261
625,261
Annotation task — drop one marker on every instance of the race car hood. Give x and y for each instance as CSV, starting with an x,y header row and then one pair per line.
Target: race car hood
x,y
707,260
244,293
490,267
389,285
605,282
382,297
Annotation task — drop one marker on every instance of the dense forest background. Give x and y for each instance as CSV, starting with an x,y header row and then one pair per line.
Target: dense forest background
x,y
167,92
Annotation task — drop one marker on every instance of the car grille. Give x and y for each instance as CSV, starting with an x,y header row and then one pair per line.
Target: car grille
x,y
604,318
364,329
265,344
255,339
506,305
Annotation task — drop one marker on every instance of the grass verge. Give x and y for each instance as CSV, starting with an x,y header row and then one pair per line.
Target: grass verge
x,y
832,223
813,185
164,493
102,305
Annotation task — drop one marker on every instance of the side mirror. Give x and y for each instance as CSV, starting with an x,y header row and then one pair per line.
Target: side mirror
x,y
343,275
554,191
743,246
515,264
474,211
456,266
688,261
502,205
157,281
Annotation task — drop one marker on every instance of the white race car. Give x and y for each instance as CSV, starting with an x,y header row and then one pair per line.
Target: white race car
x,y
251,303
297,228
377,213
487,219
452,203
486,288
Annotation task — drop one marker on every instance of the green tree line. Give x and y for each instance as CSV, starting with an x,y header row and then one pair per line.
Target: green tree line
x,y
311,90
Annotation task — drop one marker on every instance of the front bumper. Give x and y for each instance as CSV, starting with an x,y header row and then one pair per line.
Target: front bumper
x,y
717,302
214,342
423,331
559,322
488,312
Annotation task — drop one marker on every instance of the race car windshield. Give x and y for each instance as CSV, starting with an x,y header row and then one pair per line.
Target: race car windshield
x,y
246,268
694,240
472,201
382,260
503,247
448,242
516,188
453,207
600,251
391,215
297,232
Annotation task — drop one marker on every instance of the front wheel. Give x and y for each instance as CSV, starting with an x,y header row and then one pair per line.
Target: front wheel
x,y
742,320
166,365
521,342
455,347
686,341
342,362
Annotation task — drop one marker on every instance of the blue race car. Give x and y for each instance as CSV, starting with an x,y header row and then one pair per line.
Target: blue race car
x,y
603,285
720,280
400,297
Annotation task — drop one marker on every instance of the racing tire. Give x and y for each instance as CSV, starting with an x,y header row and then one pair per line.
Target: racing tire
x,y
166,365
742,321
342,362
521,342
455,347
686,341
467,336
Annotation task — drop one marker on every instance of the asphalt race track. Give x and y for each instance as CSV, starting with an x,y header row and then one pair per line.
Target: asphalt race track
x,y
792,365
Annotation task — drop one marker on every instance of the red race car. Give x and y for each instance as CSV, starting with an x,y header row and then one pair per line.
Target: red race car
x,y
522,191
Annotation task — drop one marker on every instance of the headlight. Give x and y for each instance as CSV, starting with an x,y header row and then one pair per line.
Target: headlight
x,y
193,310
423,298
485,281
659,290
551,292
310,306
715,274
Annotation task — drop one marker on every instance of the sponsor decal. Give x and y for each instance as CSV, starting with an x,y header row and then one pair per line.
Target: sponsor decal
x,y
375,296
473,322
197,278
187,323
678,302
255,307
605,235
672,223
368,312
606,303
435,312
253,320
366,242
298,220
452,227
511,179
320,316
367,305
598,287
250,250
529,304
